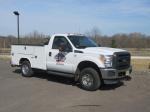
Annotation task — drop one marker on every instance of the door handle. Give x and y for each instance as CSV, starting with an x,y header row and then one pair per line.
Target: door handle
x,y
50,53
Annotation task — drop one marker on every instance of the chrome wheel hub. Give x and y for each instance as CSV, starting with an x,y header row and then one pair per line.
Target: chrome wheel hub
x,y
87,80
25,69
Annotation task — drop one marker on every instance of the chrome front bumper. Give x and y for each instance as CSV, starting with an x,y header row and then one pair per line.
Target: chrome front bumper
x,y
112,76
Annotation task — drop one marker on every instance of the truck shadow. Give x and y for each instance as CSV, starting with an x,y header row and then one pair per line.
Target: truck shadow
x,y
55,78
41,74
105,87
18,71
68,81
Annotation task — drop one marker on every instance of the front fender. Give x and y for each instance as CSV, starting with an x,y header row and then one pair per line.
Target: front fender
x,y
87,58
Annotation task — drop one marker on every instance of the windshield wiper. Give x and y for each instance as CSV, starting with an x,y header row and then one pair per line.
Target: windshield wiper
x,y
82,46
86,46
94,46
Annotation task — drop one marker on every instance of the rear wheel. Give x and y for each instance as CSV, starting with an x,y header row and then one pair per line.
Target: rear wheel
x,y
26,69
89,79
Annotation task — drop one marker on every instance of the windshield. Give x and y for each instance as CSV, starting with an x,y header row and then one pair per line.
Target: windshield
x,y
82,41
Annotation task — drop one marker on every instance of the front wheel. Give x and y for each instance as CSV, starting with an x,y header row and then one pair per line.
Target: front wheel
x,y
89,79
26,69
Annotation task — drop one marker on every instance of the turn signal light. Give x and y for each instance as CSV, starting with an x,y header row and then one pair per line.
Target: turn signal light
x,y
102,59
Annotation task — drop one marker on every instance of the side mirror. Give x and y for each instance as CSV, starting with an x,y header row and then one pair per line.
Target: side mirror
x,y
64,47
99,45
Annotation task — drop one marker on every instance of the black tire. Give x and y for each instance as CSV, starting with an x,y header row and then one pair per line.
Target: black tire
x,y
26,69
89,79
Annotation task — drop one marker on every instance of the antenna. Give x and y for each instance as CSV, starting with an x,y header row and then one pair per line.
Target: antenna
x,y
79,29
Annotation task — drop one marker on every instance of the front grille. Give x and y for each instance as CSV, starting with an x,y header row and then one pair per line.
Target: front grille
x,y
121,60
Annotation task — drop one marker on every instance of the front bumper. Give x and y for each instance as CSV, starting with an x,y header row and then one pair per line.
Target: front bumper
x,y
112,76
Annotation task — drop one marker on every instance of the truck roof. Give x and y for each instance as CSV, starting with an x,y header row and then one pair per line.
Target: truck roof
x,y
75,34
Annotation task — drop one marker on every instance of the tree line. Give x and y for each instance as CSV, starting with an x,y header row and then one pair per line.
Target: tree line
x,y
32,38
120,40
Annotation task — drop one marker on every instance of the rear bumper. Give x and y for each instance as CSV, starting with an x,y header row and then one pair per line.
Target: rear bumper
x,y
13,65
112,76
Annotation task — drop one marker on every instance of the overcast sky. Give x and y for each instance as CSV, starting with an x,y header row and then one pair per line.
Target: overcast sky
x,y
74,16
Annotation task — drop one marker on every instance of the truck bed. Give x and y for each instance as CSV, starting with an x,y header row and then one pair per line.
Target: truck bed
x,y
36,54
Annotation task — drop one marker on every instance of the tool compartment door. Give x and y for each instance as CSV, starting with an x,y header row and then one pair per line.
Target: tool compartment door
x,y
14,55
39,58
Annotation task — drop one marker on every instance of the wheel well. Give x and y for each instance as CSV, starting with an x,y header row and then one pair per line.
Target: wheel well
x,y
86,64
22,60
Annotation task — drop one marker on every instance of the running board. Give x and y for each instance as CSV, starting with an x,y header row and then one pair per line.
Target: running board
x,y
61,74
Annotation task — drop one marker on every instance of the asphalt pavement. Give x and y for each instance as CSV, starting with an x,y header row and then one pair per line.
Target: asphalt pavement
x,y
48,93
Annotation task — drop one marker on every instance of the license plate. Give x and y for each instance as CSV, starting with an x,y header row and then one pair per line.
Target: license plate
x,y
127,72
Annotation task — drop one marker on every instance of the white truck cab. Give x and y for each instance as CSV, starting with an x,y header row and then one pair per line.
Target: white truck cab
x,y
75,56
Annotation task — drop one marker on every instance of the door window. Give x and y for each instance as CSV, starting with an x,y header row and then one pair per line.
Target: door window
x,y
58,40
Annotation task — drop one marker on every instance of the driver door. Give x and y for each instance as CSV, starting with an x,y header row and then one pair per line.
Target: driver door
x,y
60,61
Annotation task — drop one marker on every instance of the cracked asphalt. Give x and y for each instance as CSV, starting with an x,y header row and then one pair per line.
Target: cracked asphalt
x,y
48,93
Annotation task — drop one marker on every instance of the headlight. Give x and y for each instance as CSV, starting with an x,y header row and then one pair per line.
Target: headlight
x,y
107,60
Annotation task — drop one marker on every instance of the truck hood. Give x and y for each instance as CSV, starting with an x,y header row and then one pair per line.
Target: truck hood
x,y
102,50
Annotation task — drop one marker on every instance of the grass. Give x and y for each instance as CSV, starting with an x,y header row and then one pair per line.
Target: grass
x,y
140,64
6,58
6,50
141,52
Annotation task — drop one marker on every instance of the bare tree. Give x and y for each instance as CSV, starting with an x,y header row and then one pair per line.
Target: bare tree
x,y
33,38
88,34
95,32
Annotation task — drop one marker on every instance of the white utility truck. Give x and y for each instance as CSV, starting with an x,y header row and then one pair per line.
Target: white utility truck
x,y
74,56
